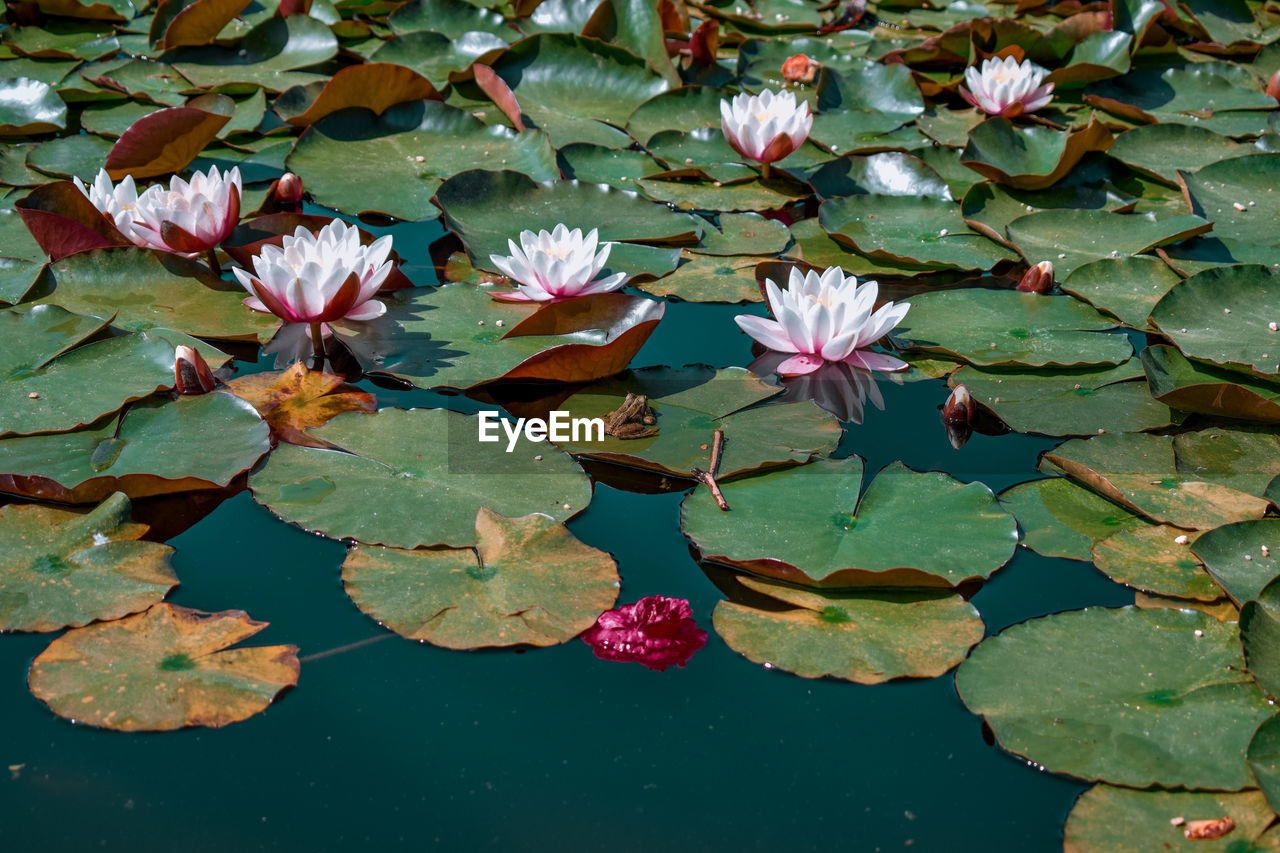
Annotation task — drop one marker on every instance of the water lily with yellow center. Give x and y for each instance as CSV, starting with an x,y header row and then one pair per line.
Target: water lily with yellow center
x,y
190,217
825,318
765,127
556,264
118,202
1005,87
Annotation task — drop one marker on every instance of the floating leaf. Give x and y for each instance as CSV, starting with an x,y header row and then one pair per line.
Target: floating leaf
x,y
1163,150
1073,238
154,448
375,86
162,670
1076,402
799,525
438,57
1062,519
743,234
688,407
1234,557
905,229
527,581
1127,696
168,140
293,400
265,57
1153,560
414,478
989,327
1224,316
63,221
705,278
1125,287
888,173
1260,634
60,569
1249,182
183,23
859,637
29,106
1197,386
1108,819
1030,158
453,18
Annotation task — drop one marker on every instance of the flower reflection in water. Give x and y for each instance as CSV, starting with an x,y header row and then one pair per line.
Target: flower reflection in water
x,y
840,387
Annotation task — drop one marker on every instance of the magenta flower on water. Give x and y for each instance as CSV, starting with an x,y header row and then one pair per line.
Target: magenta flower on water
x,y
825,318
655,631
1006,88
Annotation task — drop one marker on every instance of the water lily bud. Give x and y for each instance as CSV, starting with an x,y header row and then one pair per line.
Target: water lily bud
x,y
1038,279
191,374
288,191
959,408
1273,86
799,69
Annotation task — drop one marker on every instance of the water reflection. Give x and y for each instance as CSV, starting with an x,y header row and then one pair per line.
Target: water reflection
x,y
839,387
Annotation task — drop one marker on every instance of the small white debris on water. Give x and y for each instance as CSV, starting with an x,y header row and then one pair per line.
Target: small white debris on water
x,y
1226,310
1274,326
942,233
1061,255
1266,552
481,323
1177,821
497,322
1101,431
1181,540
420,159
537,458
100,539
1248,556
1238,206
1199,633
33,396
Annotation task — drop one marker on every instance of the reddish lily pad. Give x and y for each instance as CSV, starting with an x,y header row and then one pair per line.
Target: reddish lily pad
x,y
293,400
375,86
63,221
60,569
527,581
162,670
183,23
168,140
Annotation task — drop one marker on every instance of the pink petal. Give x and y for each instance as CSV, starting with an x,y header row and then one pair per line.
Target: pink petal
x,y
800,364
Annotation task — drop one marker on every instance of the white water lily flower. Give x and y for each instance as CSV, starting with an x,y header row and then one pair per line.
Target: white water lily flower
x,y
1005,87
118,202
189,218
825,318
319,278
765,127
556,265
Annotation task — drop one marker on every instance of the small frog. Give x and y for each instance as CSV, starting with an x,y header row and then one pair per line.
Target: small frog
x,y
633,419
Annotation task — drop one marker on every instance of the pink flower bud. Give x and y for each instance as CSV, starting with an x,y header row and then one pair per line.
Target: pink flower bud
x,y
1038,279
287,192
191,374
799,69
959,408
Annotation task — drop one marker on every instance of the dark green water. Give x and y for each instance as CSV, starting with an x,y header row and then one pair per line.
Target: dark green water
x,y
394,745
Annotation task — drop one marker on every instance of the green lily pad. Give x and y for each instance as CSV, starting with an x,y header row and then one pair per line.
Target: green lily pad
x,y
743,234
155,447
79,156
1202,253
1264,760
162,670
1152,559
61,569
452,18
142,290
703,278
1062,519
712,196
54,384
1197,386
888,173
527,581
1223,551
16,279
770,529
1260,635
906,229
460,337
988,327
703,151
1224,316
858,105
486,209
1250,182
1163,150
689,406
1107,819
1143,473
1073,238
412,478
1076,402
395,163
683,109
436,56
266,57
1030,158
1245,458
1127,288
577,89
1189,87
29,106
860,637
619,168
1127,696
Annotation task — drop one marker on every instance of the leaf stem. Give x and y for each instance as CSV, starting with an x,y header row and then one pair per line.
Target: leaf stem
x,y
764,171
212,256
317,346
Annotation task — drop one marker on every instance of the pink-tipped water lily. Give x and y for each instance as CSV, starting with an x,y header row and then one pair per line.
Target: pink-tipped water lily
x,y
765,127
1005,87
192,217
556,264
319,278
118,202
825,318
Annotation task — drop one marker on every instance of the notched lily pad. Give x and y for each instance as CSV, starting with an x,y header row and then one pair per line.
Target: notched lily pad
x,y
63,569
1060,518
1224,316
527,581
161,670
770,529
1156,559
1234,556
1197,386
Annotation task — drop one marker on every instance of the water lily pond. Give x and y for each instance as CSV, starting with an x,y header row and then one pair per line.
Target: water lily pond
x,y
774,425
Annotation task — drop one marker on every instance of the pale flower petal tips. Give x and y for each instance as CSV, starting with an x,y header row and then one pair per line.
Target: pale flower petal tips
x,y
765,127
558,264
1005,87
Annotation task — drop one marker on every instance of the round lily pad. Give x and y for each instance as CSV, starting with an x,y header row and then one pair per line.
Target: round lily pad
x,y
1224,316
1108,819
60,568
859,637
1127,696
163,669
1234,557
1152,559
1060,518
29,106
1198,386
293,400
706,278
1073,238
800,524
1030,158
1125,287
1250,182
527,581
1164,150
688,407
1260,634
412,478
909,229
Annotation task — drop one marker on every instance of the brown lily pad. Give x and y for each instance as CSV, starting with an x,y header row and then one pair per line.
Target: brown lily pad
x,y
169,139
297,398
375,86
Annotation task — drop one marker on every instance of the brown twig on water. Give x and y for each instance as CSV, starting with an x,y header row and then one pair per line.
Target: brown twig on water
x,y
717,447
708,478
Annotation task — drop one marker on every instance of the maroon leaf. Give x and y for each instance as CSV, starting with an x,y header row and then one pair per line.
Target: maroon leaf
x,y
63,221
168,140
178,23
375,86
499,92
